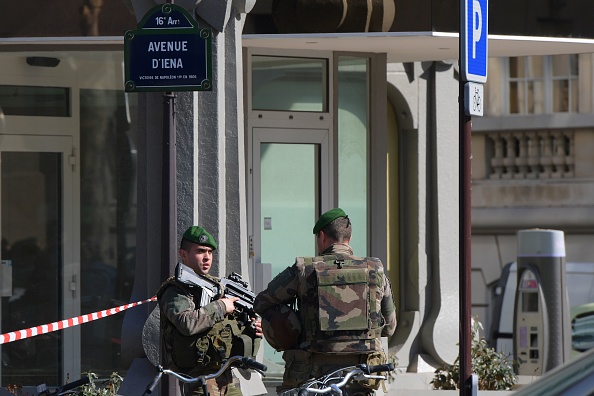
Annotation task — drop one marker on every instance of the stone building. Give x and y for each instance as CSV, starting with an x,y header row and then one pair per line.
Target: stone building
x,y
310,109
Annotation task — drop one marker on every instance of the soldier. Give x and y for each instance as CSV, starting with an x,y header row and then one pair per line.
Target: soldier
x,y
197,339
344,306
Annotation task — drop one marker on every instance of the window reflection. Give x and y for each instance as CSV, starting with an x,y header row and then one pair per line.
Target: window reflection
x,y
32,241
108,218
284,83
353,125
543,84
23,100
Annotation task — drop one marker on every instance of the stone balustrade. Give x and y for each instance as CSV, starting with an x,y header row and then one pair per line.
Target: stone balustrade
x,y
531,154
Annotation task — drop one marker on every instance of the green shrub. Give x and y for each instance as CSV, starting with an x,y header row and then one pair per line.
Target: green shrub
x,y
108,387
494,370
95,387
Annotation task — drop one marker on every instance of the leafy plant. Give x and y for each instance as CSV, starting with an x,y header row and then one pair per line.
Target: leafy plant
x,y
494,370
108,387
95,387
16,390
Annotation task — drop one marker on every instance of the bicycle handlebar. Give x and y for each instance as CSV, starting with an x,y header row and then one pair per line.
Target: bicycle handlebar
x,y
361,371
254,365
151,387
233,361
380,368
236,361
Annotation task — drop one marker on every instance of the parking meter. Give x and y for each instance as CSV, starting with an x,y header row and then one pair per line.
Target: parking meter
x,y
542,329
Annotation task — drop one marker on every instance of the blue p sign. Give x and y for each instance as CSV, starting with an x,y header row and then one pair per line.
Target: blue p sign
x,y
474,31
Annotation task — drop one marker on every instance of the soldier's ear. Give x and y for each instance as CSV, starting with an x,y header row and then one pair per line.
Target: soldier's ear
x,y
324,242
183,254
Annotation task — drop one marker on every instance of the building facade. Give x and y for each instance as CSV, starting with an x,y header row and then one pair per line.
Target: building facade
x,y
531,165
303,116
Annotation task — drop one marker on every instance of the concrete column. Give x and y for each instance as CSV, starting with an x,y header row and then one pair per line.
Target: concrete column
x,y
218,168
410,82
210,171
440,330
428,329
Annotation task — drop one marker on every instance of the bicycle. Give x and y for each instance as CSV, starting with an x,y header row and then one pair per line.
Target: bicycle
x,y
234,361
334,382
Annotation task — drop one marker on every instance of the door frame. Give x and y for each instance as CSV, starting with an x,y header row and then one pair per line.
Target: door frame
x,y
70,297
77,70
57,134
259,135
288,127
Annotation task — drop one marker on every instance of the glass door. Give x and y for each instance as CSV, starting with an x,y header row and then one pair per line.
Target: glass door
x,y
40,269
290,187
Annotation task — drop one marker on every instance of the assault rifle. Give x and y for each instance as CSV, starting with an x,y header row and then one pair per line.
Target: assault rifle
x,y
232,286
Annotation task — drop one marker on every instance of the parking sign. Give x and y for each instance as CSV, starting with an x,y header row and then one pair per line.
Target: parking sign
x,y
474,26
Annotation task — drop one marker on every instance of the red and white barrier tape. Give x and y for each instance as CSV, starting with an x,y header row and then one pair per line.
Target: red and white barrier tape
x,y
63,324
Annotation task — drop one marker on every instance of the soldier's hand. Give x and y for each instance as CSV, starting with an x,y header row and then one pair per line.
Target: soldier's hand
x,y
258,327
229,307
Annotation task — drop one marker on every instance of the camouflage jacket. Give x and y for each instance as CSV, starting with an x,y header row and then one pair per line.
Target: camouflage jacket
x,y
177,305
348,318
184,324
200,338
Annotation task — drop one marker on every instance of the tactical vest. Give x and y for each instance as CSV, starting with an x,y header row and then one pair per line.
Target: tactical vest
x,y
207,350
340,303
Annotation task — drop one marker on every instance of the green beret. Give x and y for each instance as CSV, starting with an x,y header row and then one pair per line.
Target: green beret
x,y
200,236
328,218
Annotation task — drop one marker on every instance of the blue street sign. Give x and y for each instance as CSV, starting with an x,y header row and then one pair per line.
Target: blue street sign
x,y
169,52
474,25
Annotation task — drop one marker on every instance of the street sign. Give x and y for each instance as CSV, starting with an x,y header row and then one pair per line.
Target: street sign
x,y
473,99
474,26
169,52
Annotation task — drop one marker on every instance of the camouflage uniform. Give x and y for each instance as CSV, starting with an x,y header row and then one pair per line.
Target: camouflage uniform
x,y
183,323
332,293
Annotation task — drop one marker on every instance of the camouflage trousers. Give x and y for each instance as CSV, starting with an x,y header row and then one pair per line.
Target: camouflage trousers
x,y
301,366
226,384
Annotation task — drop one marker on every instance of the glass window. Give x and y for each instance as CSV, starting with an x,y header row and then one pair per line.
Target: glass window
x,y
543,84
290,84
22,100
32,242
104,147
565,79
526,85
289,185
289,196
108,221
353,126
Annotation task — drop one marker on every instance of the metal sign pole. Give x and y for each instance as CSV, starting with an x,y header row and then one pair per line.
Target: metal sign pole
x,y
473,51
169,190
171,30
465,246
168,204
464,208
169,186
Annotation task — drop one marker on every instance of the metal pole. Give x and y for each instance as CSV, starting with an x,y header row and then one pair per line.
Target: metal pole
x,y
168,206
465,231
465,249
